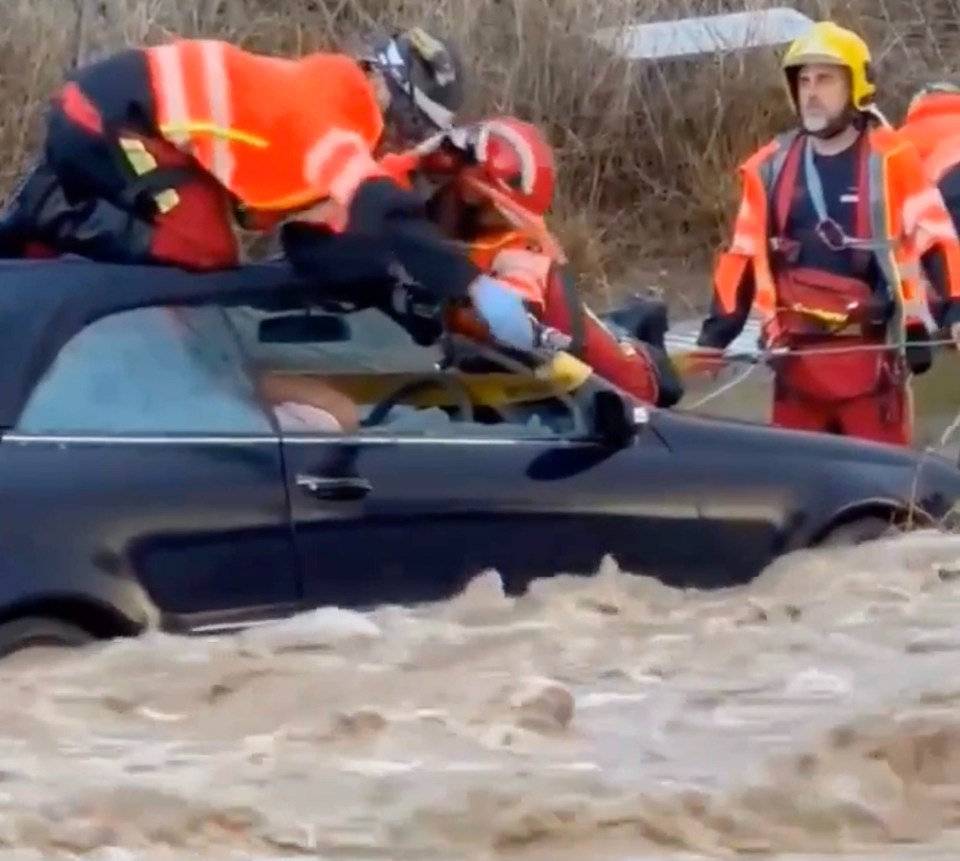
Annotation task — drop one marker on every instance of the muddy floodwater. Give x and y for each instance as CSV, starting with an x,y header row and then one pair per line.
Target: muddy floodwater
x,y
813,713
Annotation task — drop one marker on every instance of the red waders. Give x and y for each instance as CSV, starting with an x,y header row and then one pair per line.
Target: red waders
x,y
845,389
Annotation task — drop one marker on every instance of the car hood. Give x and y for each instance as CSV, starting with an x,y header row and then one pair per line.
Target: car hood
x,y
686,431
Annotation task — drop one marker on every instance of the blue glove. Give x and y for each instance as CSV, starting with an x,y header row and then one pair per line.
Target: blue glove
x,y
504,313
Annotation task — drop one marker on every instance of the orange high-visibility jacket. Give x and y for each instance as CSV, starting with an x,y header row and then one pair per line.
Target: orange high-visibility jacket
x,y
932,125
280,134
515,258
526,259
511,257
905,209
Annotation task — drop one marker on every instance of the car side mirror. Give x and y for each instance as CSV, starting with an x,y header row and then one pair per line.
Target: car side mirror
x,y
616,419
301,328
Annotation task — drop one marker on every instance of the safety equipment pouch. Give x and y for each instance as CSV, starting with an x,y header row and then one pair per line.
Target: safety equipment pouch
x,y
812,302
837,369
813,308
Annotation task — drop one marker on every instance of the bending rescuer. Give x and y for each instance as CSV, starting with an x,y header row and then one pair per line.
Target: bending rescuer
x,y
494,183
157,154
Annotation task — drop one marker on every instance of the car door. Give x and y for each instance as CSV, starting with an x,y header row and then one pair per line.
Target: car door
x,y
398,519
143,469
413,509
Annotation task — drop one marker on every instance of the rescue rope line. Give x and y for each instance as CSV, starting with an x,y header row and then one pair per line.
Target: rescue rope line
x,y
763,357
945,438
952,428
726,387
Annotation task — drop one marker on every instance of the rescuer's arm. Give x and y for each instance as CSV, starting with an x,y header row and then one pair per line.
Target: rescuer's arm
x,y
733,292
945,308
950,312
377,223
929,227
734,278
384,212
734,286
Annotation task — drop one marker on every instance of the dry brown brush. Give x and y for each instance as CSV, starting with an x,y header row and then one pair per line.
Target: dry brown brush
x,y
647,150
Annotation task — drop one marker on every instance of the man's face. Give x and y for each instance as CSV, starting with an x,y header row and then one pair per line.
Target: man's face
x,y
823,92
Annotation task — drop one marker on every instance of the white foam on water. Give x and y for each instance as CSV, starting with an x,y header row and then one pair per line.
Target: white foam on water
x,y
814,712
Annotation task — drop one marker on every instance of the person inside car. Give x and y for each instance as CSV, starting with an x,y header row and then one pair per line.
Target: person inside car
x,y
308,403
493,184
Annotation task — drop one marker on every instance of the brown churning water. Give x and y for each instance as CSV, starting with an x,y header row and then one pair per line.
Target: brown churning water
x,y
815,712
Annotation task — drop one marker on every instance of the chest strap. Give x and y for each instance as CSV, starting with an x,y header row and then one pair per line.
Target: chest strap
x,y
802,149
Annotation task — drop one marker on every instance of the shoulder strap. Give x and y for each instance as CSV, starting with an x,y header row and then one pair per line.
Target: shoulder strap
x,y
786,183
863,228
863,240
815,185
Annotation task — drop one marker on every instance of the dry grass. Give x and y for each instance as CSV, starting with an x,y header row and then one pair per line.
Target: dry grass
x,y
647,152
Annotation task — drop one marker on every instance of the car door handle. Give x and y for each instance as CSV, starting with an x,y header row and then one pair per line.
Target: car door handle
x,y
334,488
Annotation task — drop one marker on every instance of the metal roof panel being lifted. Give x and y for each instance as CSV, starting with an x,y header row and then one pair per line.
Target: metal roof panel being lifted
x,y
657,40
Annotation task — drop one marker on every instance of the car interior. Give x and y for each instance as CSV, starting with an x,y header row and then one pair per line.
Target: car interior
x,y
200,369
398,385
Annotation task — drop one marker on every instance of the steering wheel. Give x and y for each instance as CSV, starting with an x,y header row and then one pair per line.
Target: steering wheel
x,y
444,381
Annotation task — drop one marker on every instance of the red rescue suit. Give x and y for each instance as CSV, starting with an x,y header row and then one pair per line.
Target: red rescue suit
x,y
843,373
196,139
493,201
157,155
839,379
517,259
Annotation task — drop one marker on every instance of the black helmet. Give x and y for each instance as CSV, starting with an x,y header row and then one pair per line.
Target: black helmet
x,y
425,76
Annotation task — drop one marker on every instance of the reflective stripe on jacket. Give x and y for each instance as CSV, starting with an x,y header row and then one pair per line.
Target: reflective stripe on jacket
x,y
905,209
509,256
279,134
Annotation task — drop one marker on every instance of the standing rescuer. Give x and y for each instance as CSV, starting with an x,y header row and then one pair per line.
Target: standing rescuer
x,y
932,125
837,227
496,182
157,154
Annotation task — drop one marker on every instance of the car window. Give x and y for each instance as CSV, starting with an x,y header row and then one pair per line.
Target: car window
x,y
376,343
152,370
378,358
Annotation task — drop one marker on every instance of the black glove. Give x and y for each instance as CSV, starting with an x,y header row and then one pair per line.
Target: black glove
x,y
417,310
644,319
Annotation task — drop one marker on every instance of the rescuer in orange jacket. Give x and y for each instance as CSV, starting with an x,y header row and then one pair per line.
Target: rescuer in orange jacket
x,y
932,125
155,155
836,226
494,182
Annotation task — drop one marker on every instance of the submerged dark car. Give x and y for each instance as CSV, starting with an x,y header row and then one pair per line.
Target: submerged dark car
x,y
145,482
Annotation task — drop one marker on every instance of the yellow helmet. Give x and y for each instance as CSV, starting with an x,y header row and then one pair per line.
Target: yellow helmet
x,y
832,44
